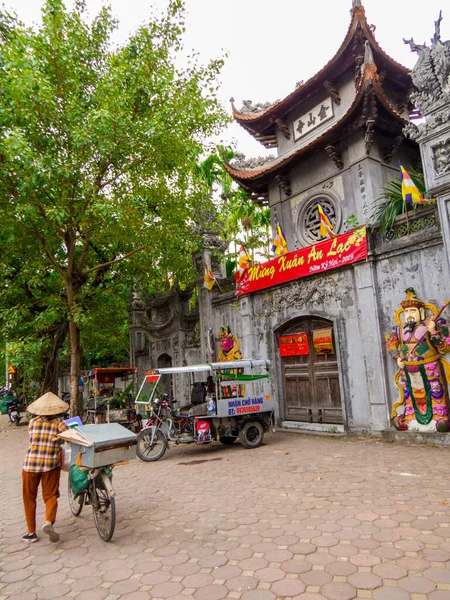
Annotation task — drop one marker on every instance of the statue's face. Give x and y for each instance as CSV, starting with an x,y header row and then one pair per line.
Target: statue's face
x,y
412,316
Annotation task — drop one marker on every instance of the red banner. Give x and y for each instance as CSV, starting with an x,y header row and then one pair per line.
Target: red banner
x,y
294,345
324,256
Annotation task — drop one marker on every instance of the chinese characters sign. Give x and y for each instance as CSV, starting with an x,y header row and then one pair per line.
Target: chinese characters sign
x,y
324,256
294,345
321,113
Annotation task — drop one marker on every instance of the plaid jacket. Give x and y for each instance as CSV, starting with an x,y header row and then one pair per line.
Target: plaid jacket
x,y
43,452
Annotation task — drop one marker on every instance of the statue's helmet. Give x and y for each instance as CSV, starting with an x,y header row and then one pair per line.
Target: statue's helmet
x,y
411,300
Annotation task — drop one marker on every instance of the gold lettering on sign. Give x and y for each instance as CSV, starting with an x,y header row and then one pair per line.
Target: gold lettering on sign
x,y
285,264
314,255
338,249
259,272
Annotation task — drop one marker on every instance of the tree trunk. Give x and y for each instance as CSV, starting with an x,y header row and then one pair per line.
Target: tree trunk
x,y
75,354
75,361
50,359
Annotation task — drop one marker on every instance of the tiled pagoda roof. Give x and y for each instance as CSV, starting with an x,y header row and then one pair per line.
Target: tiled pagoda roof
x,y
262,123
256,179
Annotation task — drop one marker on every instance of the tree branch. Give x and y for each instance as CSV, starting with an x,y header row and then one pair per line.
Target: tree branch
x,y
47,252
116,260
42,210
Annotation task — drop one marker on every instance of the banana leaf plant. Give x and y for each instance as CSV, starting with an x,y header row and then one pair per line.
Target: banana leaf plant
x,y
390,203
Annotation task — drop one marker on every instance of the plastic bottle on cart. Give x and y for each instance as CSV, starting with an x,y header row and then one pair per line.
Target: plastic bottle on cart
x,y
211,405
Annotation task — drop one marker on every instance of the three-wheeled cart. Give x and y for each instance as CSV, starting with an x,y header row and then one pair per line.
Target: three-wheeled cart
x,y
111,396
228,401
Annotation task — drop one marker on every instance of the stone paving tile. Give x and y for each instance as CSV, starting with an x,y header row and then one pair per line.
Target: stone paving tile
x,y
301,518
338,590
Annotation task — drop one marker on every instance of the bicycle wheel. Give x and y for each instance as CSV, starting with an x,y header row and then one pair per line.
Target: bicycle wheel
x,y
75,504
104,509
151,444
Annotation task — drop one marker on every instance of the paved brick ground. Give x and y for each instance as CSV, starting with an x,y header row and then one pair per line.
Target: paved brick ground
x,y
301,517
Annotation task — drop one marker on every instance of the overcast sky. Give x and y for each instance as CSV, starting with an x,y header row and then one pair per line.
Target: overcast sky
x,y
272,44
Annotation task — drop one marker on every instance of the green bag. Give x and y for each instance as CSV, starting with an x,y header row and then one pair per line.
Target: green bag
x,y
99,481
79,479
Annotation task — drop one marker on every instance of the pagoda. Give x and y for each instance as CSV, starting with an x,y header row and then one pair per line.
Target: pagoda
x,y
336,136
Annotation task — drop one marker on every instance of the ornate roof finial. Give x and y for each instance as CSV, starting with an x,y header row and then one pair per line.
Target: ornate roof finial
x,y
368,56
233,107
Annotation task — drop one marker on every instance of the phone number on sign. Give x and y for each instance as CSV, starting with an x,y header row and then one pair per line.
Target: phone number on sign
x,y
248,409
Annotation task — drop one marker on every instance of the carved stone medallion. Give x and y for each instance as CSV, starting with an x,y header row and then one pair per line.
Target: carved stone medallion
x,y
441,157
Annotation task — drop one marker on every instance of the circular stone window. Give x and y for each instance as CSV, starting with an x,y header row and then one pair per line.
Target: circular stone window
x,y
308,220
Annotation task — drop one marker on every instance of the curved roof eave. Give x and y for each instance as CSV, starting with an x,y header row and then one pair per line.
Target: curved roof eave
x,y
370,76
358,16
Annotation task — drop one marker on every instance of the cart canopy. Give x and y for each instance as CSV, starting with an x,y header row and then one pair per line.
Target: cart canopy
x,y
217,366
115,371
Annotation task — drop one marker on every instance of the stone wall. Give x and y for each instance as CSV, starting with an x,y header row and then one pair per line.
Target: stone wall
x,y
360,300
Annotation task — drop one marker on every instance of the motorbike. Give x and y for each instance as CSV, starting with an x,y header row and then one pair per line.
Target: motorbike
x,y
164,424
13,411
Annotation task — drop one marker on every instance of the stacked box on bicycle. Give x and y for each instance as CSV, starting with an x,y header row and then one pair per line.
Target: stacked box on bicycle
x,y
101,445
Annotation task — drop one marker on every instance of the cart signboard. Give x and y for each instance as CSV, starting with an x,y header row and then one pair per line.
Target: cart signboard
x,y
232,407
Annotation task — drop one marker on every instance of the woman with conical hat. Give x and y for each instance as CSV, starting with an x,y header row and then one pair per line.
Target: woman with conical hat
x,y
42,464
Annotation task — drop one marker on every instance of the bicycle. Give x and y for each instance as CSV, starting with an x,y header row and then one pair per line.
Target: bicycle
x,y
100,495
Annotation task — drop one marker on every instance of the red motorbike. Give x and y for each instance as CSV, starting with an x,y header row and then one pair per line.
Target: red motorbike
x,y
167,424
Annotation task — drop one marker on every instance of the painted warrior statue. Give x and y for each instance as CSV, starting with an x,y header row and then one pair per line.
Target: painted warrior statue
x,y
417,344
229,346
230,350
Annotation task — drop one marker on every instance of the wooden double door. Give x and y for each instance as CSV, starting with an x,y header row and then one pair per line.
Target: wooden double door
x,y
311,381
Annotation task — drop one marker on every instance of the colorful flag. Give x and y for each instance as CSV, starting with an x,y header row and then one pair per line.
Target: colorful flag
x,y
326,226
244,261
208,278
410,192
279,242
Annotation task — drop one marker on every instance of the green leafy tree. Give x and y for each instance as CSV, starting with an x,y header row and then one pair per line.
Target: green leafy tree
x,y
105,338
32,314
98,147
241,218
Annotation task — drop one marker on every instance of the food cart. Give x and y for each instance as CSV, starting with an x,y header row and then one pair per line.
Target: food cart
x,y
229,401
111,396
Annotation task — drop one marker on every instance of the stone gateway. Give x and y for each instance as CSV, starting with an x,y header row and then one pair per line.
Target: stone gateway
x,y
338,137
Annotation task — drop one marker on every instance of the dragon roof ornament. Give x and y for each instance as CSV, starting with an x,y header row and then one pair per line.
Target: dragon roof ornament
x,y
431,77
240,162
250,108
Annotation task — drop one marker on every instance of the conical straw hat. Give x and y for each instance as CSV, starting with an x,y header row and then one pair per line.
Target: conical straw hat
x,y
48,404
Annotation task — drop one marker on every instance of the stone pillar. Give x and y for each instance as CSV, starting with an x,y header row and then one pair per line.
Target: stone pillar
x,y
431,77
375,385
435,152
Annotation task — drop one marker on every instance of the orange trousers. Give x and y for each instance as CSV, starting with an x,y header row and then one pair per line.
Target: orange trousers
x,y
49,481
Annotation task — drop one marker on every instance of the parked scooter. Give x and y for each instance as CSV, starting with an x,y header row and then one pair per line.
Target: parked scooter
x,y
13,411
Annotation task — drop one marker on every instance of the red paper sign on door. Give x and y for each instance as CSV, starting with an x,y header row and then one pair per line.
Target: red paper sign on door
x,y
294,345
